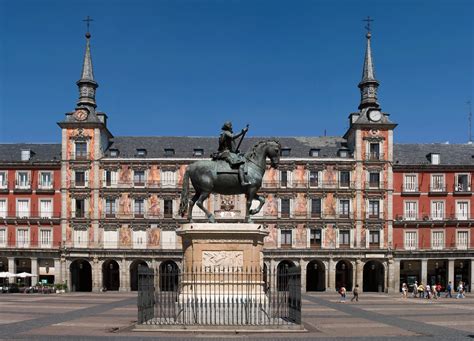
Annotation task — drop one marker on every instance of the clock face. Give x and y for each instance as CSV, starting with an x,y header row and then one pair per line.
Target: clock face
x,y
375,115
81,114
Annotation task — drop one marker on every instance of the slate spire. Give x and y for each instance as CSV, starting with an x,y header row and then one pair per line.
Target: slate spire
x,y
368,85
87,85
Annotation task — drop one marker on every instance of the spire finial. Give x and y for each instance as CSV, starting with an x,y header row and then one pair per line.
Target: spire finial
x,y
88,21
368,85
87,84
367,27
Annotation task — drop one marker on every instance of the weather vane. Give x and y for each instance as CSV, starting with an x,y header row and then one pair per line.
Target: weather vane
x,y
368,20
88,21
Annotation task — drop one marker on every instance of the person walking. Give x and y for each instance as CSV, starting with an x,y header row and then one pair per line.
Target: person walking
x,y
415,290
449,290
438,290
428,291
342,292
434,291
404,290
460,290
355,294
421,290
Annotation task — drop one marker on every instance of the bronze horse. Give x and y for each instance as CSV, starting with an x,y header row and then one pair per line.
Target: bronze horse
x,y
218,177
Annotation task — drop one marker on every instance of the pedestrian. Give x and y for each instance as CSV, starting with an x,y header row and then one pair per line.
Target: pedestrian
x,y
404,290
415,289
460,290
428,291
434,292
438,290
421,290
342,292
449,290
355,293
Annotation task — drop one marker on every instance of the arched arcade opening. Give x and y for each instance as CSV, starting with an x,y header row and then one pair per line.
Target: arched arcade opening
x,y
111,275
344,275
81,275
136,264
374,277
315,276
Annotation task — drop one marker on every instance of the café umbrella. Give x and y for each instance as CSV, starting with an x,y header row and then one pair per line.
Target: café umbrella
x,y
6,274
23,275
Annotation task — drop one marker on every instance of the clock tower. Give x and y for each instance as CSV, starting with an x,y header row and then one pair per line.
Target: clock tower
x,y
370,137
85,137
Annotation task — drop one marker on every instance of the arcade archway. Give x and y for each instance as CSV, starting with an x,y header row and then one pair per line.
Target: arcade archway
x,y
137,264
111,275
374,276
169,276
81,275
344,275
315,276
282,269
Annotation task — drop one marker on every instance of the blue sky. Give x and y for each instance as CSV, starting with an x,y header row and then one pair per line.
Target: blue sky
x,y
289,68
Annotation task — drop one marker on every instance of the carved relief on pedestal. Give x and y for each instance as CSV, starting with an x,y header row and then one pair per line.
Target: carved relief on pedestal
x,y
215,260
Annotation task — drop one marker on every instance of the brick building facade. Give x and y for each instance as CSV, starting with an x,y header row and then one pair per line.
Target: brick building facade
x,y
335,207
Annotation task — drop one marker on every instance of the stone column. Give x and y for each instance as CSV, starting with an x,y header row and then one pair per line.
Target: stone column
x,y
34,270
58,278
472,275
393,276
451,272
123,276
331,275
359,274
424,271
273,275
97,275
11,265
156,268
303,266
64,271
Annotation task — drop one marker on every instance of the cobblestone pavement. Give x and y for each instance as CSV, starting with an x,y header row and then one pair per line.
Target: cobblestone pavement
x,y
88,316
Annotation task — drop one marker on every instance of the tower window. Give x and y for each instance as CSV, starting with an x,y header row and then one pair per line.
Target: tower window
x,y
81,150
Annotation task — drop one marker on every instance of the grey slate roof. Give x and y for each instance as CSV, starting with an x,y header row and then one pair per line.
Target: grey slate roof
x,y
419,154
184,146
11,152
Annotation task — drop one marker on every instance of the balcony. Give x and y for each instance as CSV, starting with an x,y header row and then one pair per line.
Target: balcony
x,y
80,214
45,187
345,215
439,189
4,186
31,215
374,157
78,156
374,215
433,218
462,189
375,185
410,189
23,186
79,183
110,215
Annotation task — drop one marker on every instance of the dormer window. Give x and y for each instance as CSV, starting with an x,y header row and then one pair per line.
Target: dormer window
x,y
343,153
25,154
435,159
285,151
141,152
169,152
114,153
198,152
314,152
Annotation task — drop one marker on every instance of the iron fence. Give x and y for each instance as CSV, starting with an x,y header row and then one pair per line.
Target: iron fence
x,y
220,297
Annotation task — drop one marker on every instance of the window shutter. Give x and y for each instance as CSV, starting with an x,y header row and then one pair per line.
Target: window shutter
x,y
337,238
293,237
381,244
351,236
323,237
278,238
367,238
308,237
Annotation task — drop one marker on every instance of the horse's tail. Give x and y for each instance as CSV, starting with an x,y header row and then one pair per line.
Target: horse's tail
x,y
184,204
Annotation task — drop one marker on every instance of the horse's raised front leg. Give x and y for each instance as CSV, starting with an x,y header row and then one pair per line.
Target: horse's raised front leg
x,y
249,196
203,196
191,205
261,199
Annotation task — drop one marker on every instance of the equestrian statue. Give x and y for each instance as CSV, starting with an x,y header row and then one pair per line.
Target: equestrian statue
x,y
229,172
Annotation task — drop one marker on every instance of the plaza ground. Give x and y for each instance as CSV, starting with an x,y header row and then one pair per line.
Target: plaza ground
x,y
89,316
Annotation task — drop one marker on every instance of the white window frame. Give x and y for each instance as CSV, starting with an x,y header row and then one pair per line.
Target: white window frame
x,y
74,153
110,239
459,245
81,238
3,236
408,243
408,186
462,215
41,185
48,243
168,178
46,215
437,214
351,237
115,212
24,241
438,243
320,178
339,207
435,185
410,214
4,183
139,239
459,189
21,184
145,178
435,158
144,206
23,213
113,178
4,215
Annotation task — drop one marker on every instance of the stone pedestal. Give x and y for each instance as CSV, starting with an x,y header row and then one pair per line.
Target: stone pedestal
x,y
222,259
209,247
